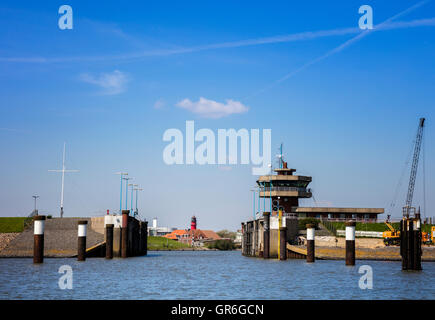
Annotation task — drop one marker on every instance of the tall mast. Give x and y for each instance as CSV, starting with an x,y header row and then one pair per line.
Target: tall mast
x,y
63,170
63,181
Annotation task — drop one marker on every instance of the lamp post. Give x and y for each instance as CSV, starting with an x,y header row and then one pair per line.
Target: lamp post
x,y
35,211
126,192
137,189
279,228
131,205
120,192
270,187
253,203
264,195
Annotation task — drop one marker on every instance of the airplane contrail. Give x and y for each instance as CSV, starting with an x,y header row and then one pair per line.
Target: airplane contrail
x,y
302,36
386,25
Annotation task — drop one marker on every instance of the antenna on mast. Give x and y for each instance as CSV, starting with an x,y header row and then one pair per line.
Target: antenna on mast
x,y
280,159
63,170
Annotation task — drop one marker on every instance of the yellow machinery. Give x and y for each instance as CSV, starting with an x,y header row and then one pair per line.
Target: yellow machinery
x,y
428,238
392,236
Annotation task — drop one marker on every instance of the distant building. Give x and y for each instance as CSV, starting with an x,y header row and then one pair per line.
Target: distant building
x,y
238,239
199,237
193,223
156,231
284,189
193,236
175,234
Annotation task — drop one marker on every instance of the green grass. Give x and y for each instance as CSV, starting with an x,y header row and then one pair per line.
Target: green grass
x,y
302,223
221,245
160,243
15,224
427,227
379,227
360,226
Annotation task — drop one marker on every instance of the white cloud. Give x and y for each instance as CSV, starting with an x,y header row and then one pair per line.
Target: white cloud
x,y
159,104
111,83
212,109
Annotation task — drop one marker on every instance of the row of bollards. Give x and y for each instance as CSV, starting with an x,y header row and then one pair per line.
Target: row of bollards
x,y
139,245
350,243
38,239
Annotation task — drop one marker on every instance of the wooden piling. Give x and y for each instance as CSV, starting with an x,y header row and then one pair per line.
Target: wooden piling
x,y
109,241
403,243
283,243
350,243
410,244
38,239
310,243
81,243
124,234
266,235
146,237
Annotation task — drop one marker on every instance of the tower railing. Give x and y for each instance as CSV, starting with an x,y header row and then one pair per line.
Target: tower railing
x,y
268,189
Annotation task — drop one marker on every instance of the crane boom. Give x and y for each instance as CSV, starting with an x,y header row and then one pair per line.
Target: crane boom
x,y
414,167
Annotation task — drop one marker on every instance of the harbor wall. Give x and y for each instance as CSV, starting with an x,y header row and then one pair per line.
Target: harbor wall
x,y
253,235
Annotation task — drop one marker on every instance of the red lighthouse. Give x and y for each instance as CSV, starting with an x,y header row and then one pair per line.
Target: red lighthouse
x,y
193,223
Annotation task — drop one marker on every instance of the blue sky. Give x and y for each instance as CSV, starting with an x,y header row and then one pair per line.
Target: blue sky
x,y
110,88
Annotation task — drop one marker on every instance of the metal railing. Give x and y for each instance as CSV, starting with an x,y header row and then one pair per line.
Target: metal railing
x,y
268,189
363,234
347,219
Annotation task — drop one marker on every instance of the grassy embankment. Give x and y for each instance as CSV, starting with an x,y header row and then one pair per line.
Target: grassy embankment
x,y
13,224
160,243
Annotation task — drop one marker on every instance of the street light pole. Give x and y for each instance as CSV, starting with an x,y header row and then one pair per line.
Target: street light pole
x,y
120,193
137,189
126,192
35,197
253,203
270,187
131,206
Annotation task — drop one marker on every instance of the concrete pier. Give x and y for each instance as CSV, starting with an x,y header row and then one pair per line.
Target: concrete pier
x,y
260,237
60,238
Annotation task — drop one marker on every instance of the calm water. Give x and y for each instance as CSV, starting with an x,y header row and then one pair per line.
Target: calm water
x,y
210,275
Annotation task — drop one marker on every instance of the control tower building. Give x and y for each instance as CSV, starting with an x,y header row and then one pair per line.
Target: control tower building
x,y
284,189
